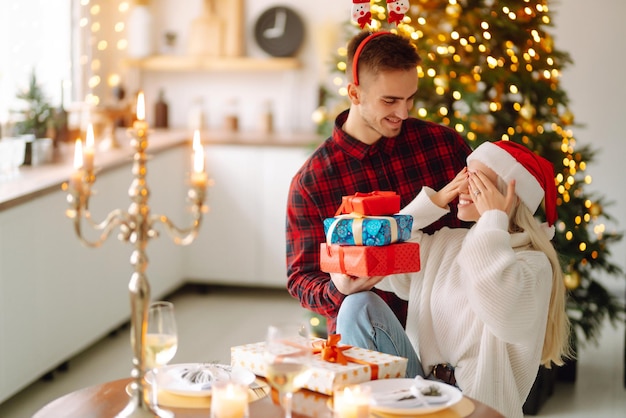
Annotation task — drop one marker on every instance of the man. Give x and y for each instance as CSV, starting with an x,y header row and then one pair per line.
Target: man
x,y
375,145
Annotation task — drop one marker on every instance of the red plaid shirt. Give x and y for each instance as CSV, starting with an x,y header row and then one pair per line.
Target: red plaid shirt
x,y
423,154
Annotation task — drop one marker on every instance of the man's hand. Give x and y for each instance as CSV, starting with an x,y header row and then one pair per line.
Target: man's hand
x,y
451,190
352,284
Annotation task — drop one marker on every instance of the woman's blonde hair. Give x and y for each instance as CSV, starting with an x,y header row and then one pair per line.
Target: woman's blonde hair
x,y
556,344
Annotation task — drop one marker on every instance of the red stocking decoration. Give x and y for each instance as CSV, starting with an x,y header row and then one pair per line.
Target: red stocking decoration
x,y
396,10
361,12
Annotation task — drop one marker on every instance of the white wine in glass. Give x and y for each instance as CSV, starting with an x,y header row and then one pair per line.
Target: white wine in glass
x,y
160,349
160,344
288,354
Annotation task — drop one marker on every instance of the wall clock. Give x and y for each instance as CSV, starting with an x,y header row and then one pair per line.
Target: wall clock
x,y
279,31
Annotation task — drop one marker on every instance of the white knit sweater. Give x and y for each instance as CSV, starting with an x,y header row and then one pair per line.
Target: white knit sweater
x,y
480,303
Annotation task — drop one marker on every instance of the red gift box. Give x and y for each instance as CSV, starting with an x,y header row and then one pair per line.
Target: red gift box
x,y
372,204
370,261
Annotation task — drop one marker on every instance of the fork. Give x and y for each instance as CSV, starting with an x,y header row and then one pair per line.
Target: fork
x,y
259,390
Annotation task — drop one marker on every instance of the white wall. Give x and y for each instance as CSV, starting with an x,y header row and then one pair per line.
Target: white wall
x,y
593,34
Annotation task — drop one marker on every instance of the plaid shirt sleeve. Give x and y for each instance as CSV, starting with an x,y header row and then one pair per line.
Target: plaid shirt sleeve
x,y
305,232
423,154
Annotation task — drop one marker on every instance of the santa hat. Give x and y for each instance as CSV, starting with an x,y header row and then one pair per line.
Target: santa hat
x,y
360,1
533,175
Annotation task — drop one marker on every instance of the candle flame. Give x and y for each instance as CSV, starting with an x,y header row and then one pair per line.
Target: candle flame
x,y
198,153
141,106
78,154
89,140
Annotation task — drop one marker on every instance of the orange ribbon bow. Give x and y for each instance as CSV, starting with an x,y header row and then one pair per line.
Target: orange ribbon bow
x,y
329,350
332,353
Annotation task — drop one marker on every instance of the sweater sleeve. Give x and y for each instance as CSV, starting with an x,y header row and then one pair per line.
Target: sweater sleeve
x,y
423,210
424,213
508,290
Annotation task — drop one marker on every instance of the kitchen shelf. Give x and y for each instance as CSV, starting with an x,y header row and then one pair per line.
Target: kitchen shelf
x,y
176,63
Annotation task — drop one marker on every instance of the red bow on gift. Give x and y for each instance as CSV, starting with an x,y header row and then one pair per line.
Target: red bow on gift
x,y
330,351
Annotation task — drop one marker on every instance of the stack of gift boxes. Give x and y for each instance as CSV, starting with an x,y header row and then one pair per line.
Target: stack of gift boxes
x,y
366,237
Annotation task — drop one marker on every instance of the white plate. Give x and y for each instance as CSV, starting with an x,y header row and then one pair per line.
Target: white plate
x,y
386,395
196,379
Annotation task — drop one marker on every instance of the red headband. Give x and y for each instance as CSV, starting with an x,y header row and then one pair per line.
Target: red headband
x,y
359,49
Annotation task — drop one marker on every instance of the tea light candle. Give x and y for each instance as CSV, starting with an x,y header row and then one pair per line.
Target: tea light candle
x,y
351,402
229,400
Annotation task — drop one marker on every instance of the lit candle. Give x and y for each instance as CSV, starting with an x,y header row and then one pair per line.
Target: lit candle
x,y
229,400
140,123
89,151
198,176
351,402
76,180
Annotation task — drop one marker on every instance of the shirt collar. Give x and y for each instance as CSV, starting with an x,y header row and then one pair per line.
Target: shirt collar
x,y
356,148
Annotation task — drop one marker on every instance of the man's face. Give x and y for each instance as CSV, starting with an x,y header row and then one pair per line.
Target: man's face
x,y
385,100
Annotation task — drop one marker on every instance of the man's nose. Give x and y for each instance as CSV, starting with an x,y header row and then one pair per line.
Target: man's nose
x,y
402,111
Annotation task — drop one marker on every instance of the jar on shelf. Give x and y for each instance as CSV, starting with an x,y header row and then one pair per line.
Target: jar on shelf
x,y
266,121
161,112
196,118
139,30
231,116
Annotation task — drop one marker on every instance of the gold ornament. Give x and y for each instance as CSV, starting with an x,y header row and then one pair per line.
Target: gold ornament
x,y
572,280
527,111
453,10
595,210
567,118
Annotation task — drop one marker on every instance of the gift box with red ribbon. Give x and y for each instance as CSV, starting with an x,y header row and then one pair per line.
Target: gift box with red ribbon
x,y
355,229
377,203
332,365
362,261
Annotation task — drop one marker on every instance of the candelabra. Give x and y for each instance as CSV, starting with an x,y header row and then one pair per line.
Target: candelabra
x,y
136,225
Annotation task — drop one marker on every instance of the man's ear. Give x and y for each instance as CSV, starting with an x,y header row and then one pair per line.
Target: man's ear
x,y
354,93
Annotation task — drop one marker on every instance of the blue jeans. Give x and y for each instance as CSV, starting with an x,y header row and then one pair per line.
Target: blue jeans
x,y
365,320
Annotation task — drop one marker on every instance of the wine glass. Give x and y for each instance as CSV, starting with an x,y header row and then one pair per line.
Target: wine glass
x,y
287,357
160,345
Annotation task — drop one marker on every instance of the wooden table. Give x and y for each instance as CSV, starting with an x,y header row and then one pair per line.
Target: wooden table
x,y
107,399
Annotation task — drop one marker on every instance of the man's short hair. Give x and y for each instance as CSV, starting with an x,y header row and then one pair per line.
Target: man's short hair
x,y
381,53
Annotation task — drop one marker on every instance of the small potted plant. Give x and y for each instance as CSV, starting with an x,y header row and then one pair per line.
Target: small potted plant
x,y
35,120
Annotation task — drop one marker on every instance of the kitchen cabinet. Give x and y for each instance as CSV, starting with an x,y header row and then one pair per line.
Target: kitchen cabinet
x,y
243,239
57,297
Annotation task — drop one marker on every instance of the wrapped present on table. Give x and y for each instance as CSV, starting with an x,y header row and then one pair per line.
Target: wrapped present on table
x,y
362,261
332,365
311,404
368,230
378,203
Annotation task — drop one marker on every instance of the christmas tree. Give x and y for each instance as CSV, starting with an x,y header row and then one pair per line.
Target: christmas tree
x,y
490,70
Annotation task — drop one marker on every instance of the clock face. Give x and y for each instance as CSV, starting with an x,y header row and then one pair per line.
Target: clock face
x,y
279,31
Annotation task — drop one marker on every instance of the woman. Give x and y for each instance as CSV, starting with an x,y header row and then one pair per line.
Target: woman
x,y
488,306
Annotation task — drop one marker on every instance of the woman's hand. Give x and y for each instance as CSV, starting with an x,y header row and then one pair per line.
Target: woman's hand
x,y
451,190
486,195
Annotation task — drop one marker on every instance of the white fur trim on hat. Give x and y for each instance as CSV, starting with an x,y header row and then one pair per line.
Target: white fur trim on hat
x,y
506,166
